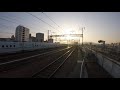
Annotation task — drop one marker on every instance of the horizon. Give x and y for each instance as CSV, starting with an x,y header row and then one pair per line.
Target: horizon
x,y
98,25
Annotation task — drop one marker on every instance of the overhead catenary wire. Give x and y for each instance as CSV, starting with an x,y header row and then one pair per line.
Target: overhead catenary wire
x,y
51,20
27,25
9,21
17,21
5,26
31,25
40,19
12,22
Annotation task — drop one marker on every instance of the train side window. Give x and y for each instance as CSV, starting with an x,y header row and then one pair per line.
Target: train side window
x,y
2,45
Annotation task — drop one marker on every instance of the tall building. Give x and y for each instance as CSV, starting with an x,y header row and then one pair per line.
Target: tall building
x,y
22,34
39,37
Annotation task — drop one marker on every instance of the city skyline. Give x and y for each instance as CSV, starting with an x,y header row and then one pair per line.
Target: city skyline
x,y
98,25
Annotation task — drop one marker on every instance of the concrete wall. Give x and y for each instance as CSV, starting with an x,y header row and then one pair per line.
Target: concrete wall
x,y
110,65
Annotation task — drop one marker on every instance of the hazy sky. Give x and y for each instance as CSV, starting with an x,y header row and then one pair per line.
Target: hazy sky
x,y
98,25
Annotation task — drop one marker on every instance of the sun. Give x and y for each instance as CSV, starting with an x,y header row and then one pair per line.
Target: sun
x,y
68,35
67,31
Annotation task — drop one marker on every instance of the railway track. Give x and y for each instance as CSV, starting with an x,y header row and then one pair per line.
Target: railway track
x,y
10,57
14,63
50,69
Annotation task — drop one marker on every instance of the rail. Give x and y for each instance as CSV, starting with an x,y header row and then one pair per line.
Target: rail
x,y
9,63
52,70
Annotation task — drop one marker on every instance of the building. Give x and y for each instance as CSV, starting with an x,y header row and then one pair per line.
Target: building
x,y
39,37
33,39
50,40
30,36
5,40
21,34
12,38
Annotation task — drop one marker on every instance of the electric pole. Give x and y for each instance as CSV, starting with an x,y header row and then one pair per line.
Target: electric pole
x,y
82,35
48,34
79,39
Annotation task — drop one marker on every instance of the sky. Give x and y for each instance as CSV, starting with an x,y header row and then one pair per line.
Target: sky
x,y
98,25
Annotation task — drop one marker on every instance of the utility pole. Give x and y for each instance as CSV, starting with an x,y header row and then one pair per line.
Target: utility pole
x,y
48,34
79,38
82,36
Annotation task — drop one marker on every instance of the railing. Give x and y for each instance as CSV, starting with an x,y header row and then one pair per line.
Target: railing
x,y
110,65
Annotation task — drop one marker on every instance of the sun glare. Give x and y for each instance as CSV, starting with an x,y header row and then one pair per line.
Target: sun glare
x,y
68,38
67,31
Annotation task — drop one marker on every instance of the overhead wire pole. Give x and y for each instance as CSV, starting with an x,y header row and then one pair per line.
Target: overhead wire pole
x,y
54,23
48,34
83,28
40,20
82,35
19,23
79,38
